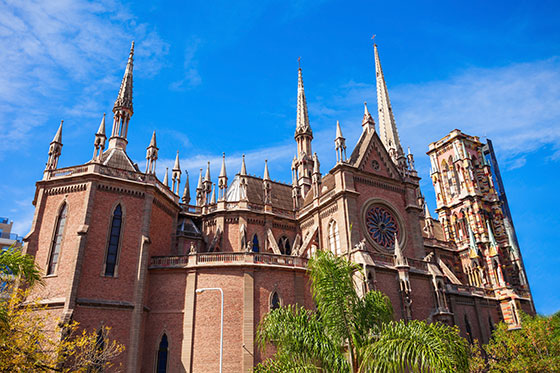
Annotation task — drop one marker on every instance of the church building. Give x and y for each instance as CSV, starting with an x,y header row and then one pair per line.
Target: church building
x,y
161,264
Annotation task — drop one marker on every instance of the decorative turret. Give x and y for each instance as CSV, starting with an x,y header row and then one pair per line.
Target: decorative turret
x,y
387,126
243,180
200,191
473,248
223,180
340,145
428,222
493,248
267,186
151,155
368,124
316,177
176,175
55,149
213,198
123,107
207,184
186,192
410,159
401,263
295,187
99,143
303,137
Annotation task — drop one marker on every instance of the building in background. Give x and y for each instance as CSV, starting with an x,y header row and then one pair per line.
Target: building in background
x,y
119,247
7,238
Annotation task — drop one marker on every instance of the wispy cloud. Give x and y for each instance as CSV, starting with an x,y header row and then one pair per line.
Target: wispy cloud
x,y
191,78
52,50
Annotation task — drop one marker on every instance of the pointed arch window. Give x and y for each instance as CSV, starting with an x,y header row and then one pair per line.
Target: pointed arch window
x,y
255,243
57,240
161,366
284,245
114,240
274,301
334,239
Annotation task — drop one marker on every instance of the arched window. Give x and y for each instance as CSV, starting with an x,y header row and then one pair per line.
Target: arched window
x,y
274,301
284,245
57,240
334,239
161,366
255,243
114,239
469,330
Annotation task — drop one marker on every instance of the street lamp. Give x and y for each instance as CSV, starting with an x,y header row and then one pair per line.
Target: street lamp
x,y
202,290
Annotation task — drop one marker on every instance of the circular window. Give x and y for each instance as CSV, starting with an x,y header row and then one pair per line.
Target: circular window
x,y
382,226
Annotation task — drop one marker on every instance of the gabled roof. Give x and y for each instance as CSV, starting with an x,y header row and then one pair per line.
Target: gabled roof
x,y
117,158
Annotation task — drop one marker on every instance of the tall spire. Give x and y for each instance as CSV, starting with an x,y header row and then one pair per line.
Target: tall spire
x,y
302,121
123,107
176,175
166,177
58,135
387,126
303,137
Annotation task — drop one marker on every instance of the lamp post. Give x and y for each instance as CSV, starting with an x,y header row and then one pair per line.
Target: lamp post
x,y
202,290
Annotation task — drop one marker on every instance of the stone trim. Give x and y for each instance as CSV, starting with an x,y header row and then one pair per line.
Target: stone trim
x,y
104,303
66,189
118,190
378,184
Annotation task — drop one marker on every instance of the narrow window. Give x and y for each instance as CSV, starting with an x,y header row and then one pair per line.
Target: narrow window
x,y
57,240
114,238
98,358
162,355
255,243
469,330
274,301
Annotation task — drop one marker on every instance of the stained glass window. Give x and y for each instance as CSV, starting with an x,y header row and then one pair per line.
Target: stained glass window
x,y
382,226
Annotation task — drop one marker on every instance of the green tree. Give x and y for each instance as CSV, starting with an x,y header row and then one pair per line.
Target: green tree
x,y
535,347
352,334
28,341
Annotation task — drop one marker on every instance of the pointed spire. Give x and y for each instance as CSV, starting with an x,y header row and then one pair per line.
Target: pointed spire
x,y
338,131
177,167
427,211
213,198
302,121
186,192
368,124
207,176
151,155
166,177
473,249
101,130
387,126
58,135
316,164
124,98
223,169
153,140
493,244
199,185
243,171
266,175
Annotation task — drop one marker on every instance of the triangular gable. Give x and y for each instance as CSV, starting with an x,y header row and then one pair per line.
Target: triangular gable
x,y
370,156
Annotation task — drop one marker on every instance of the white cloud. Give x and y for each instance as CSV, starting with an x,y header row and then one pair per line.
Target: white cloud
x,y
56,49
191,78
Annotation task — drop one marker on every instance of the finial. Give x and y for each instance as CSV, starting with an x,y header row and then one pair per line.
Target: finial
x,y
299,62
207,176
166,177
338,130
199,186
58,135
223,170
243,167
186,192
176,167
213,198
101,130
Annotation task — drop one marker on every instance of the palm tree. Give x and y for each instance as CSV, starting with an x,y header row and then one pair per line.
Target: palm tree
x,y
352,334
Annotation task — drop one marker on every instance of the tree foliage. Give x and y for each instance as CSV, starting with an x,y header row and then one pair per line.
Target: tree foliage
x,y
349,333
535,347
32,339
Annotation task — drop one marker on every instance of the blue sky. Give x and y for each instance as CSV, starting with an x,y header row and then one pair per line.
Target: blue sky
x,y
221,76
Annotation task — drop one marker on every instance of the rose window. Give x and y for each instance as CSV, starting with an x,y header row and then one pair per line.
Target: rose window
x,y
382,226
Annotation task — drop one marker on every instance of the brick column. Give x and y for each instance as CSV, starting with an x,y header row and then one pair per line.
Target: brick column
x,y
248,320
